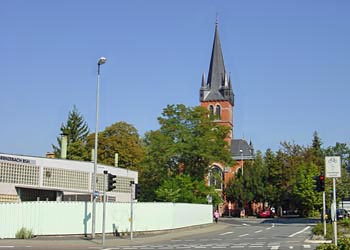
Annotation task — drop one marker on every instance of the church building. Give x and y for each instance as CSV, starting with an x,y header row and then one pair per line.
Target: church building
x,y
216,94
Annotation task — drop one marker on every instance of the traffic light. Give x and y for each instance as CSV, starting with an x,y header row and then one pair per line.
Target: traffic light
x,y
111,182
137,191
319,182
317,186
322,184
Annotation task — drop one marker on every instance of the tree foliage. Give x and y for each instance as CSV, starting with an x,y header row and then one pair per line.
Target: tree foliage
x,y
182,188
121,138
77,131
187,142
285,178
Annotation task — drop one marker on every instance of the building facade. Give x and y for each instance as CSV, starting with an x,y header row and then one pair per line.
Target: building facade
x,y
216,94
28,178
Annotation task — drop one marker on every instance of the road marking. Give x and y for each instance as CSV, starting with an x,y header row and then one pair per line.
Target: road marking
x,y
291,247
307,246
273,224
7,246
226,233
259,244
275,247
241,245
268,228
244,224
258,231
299,232
242,235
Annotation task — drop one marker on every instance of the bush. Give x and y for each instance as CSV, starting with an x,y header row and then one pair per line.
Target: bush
x,y
313,214
318,230
24,233
345,222
343,244
327,247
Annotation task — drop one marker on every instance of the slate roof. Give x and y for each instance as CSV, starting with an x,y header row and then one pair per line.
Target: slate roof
x,y
240,144
218,86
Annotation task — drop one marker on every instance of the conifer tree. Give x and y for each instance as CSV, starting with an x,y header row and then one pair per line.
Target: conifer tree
x,y
77,131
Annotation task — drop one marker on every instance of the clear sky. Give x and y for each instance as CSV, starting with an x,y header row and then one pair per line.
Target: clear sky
x,y
289,63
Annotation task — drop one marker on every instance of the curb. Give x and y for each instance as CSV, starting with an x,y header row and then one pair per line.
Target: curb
x,y
318,241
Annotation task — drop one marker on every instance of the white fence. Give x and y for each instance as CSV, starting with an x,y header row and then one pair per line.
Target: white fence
x,y
62,218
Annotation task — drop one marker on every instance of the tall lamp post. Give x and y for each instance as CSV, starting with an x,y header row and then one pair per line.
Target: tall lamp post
x,y
101,61
241,151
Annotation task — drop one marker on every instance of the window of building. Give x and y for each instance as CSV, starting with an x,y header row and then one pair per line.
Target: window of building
x,y
218,112
211,110
216,177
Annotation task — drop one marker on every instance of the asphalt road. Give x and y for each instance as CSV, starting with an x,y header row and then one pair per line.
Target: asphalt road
x,y
229,233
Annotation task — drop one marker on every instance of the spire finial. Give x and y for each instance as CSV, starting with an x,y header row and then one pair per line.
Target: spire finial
x,y
217,19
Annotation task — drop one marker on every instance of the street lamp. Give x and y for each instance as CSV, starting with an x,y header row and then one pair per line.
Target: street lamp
x,y
242,164
101,61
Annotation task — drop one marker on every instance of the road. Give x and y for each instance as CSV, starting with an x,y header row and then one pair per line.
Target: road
x,y
229,233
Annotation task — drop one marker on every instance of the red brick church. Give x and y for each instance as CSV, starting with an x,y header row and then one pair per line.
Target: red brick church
x,y
216,94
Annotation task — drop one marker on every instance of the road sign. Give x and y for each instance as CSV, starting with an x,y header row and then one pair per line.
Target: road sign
x,y
333,169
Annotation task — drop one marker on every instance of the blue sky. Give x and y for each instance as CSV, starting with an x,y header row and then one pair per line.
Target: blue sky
x,y
289,62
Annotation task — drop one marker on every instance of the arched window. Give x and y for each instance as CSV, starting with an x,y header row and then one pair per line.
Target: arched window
x,y
218,112
216,177
211,110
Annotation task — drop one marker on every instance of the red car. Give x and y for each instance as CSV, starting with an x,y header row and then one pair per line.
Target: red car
x,y
266,214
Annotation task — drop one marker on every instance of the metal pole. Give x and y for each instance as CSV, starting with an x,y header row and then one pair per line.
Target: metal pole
x,y
241,151
101,60
335,233
104,207
132,184
93,215
324,214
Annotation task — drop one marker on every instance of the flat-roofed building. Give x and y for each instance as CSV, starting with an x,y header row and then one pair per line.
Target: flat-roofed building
x,y
28,178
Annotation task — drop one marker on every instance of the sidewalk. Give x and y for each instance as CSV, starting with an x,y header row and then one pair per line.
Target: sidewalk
x,y
139,238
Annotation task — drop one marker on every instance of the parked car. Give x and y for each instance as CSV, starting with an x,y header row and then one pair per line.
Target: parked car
x,y
266,214
341,214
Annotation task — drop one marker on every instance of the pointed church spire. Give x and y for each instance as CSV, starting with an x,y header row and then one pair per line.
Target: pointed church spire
x,y
218,87
217,67
203,80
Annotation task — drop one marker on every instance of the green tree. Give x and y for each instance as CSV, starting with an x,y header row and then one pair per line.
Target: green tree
x,y
273,182
121,138
152,171
305,197
182,188
77,130
343,183
196,140
251,186
187,142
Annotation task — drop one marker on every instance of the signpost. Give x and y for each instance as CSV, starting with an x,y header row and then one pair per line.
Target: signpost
x,y
333,170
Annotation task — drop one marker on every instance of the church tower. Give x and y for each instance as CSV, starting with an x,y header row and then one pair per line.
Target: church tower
x,y
216,92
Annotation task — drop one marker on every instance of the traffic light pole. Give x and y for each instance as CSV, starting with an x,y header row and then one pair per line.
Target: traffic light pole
x,y
105,177
334,207
132,185
324,214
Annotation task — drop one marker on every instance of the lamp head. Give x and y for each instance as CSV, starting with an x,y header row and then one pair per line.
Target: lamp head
x,y
102,60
